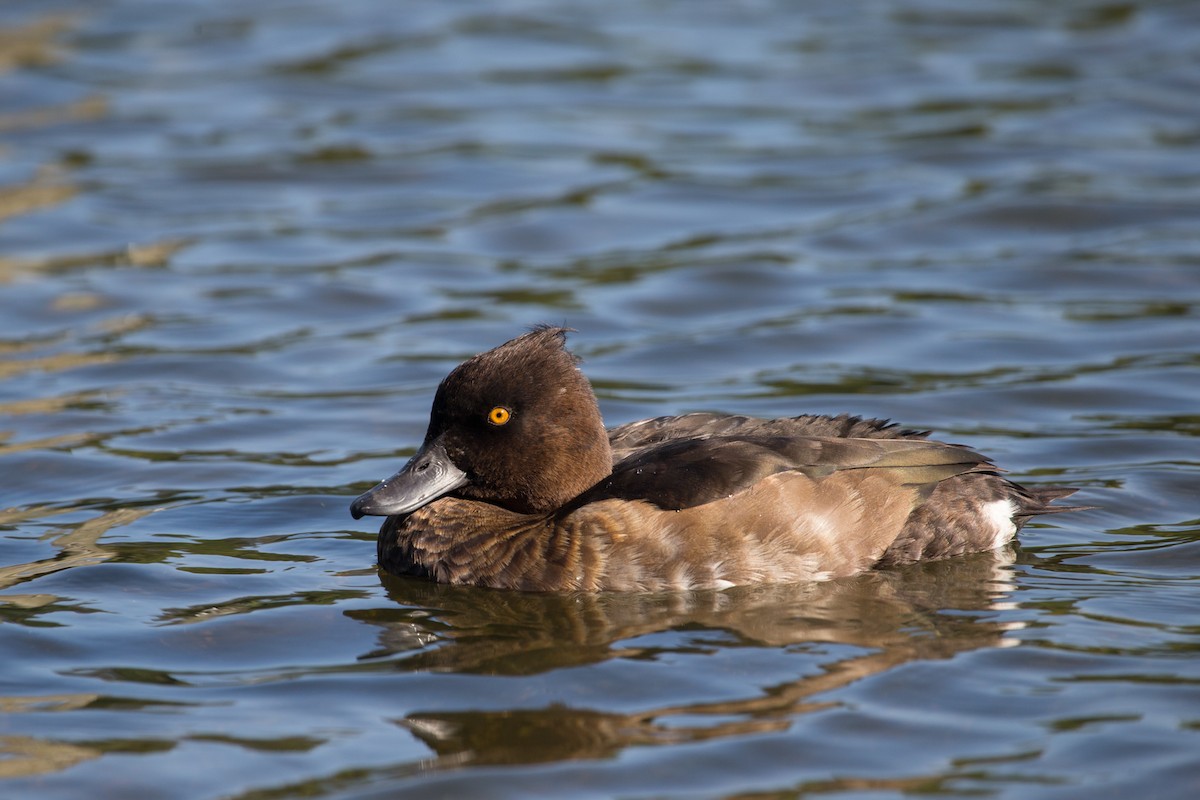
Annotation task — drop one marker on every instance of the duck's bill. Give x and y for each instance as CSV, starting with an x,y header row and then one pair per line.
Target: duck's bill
x,y
427,476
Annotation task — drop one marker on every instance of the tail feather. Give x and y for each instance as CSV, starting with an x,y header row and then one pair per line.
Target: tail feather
x,y
1037,500
961,516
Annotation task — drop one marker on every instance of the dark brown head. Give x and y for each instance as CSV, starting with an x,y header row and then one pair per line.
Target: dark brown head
x,y
517,426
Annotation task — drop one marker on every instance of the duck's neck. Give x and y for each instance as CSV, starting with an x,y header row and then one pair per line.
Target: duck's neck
x,y
557,473
571,472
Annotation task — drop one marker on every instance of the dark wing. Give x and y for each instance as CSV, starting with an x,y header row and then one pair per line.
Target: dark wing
x,y
628,439
681,473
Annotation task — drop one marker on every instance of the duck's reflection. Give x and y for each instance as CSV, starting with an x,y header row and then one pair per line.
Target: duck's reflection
x,y
926,611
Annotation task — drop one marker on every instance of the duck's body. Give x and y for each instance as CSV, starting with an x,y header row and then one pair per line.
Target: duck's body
x,y
518,486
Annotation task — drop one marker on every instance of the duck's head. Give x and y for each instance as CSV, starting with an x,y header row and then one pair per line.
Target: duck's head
x,y
517,426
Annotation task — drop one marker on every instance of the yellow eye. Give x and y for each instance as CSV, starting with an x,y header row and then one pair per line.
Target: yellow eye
x,y
499,415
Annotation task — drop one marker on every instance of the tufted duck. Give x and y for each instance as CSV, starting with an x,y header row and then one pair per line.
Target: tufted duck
x,y
518,486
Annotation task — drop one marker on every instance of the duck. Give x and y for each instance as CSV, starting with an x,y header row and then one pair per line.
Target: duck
x,y
518,485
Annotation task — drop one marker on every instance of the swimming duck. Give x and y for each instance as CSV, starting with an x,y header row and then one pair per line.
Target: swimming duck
x,y
519,486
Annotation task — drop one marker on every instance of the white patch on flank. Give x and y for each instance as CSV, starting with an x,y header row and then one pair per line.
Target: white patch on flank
x,y
999,513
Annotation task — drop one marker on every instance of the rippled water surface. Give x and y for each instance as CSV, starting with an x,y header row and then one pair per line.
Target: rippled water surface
x,y
241,242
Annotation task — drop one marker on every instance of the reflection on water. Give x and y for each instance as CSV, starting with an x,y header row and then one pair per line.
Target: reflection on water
x,y
241,243
880,621
78,547
25,756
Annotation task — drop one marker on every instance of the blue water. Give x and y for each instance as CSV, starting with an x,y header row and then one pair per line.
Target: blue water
x,y
240,244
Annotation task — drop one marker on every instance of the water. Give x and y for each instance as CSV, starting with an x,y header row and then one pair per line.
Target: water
x,y
240,243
